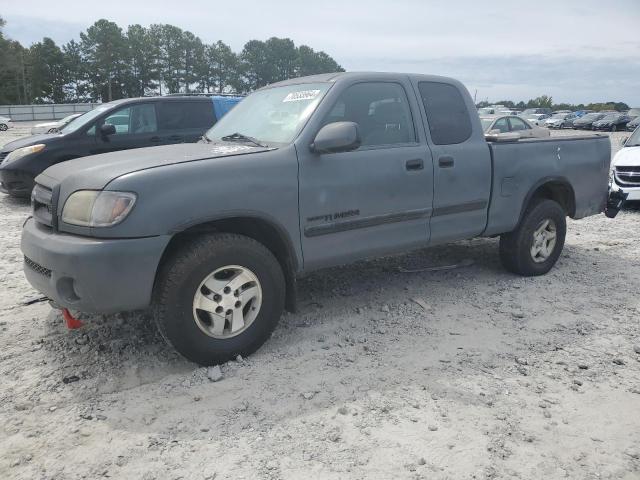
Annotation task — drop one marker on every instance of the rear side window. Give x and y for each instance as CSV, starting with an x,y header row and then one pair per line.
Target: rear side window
x,y
449,119
186,115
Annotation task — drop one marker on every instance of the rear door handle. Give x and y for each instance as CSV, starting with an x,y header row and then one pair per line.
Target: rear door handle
x,y
415,164
155,139
445,162
176,138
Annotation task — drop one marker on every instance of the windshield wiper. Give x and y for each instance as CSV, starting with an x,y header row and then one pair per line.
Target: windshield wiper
x,y
243,138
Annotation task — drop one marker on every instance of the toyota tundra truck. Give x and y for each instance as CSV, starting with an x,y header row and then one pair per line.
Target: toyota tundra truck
x,y
301,175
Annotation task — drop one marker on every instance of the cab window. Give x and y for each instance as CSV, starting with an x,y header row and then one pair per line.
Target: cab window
x,y
381,111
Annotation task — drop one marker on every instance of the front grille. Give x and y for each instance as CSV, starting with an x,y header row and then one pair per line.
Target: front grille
x,y
36,267
628,176
44,210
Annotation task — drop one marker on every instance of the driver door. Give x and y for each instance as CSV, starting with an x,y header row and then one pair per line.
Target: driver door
x,y
373,200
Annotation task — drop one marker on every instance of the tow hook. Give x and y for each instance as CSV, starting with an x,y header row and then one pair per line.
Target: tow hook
x,y
72,322
615,200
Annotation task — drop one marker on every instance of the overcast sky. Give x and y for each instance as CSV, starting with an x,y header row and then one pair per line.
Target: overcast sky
x,y
576,51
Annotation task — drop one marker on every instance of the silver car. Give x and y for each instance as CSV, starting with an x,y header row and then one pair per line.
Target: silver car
x,y
53,127
5,124
512,124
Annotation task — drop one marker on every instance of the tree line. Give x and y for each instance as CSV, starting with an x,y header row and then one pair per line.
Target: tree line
x,y
545,101
108,63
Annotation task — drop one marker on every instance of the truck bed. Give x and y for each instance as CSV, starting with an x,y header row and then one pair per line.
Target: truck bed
x,y
579,162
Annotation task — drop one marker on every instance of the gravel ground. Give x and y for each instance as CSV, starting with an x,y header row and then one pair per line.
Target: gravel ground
x,y
471,373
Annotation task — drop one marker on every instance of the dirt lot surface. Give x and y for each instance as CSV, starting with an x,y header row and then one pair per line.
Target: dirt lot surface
x,y
471,373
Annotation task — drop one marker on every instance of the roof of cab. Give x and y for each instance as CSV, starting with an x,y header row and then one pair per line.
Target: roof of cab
x,y
336,76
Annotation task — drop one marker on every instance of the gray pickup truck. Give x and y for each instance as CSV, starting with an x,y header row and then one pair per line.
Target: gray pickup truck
x,y
301,175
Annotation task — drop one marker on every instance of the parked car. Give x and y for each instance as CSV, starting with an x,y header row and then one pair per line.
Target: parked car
x,y
558,120
510,123
536,118
5,124
586,122
633,124
626,168
118,125
568,121
634,113
53,127
612,123
301,175
527,113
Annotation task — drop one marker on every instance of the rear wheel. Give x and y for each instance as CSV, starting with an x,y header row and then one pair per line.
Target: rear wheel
x,y
218,297
535,245
3,127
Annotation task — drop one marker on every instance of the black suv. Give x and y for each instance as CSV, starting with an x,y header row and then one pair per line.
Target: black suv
x,y
118,125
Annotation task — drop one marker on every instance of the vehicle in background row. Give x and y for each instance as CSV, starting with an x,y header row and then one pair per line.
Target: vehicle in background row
x,y
568,122
303,174
511,124
5,124
633,124
557,120
634,113
534,111
536,118
55,126
612,122
118,125
626,168
586,122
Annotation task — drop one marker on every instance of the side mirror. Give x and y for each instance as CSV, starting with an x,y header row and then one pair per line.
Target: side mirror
x,y
623,141
337,137
107,129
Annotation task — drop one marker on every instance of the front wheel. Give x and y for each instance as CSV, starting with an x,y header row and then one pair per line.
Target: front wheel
x,y
219,296
535,245
3,127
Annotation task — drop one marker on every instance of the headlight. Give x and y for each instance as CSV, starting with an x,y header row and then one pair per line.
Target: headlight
x,y
91,208
18,153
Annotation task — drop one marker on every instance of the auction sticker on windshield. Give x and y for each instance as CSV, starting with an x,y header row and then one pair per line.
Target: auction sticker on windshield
x,y
302,95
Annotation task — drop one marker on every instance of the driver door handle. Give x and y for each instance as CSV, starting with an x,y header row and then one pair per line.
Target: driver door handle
x,y
415,164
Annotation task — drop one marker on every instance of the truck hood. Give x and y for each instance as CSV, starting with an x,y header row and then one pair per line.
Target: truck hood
x,y
627,157
96,171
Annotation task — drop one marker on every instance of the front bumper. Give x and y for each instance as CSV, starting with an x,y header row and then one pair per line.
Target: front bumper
x,y
633,192
16,182
89,274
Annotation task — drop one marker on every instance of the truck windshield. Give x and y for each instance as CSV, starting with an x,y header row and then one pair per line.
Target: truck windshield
x,y
272,116
84,119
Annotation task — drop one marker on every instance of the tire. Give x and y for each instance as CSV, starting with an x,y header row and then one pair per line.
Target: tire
x,y
517,247
195,333
3,127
